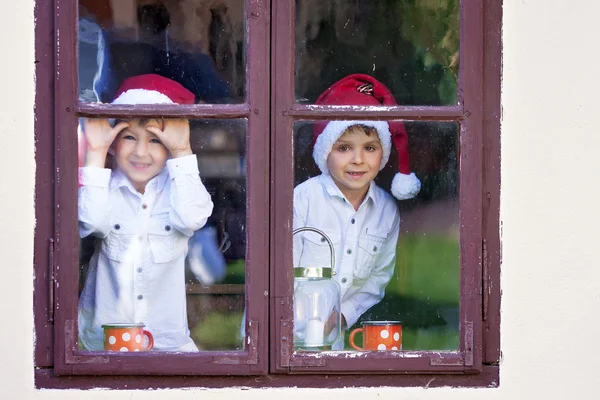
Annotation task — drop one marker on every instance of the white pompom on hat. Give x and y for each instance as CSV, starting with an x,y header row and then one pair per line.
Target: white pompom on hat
x,y
360,89
152,89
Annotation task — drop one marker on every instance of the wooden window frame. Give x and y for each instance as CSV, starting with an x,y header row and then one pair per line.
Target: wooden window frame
x,y
268,290
62,287
469,114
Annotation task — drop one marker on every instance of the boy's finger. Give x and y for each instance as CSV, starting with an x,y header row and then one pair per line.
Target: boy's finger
x,y
175,122
119,127
155,130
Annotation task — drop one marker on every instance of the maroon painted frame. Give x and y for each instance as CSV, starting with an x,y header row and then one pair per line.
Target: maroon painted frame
x,y
68,360
469,113
54,211
44,185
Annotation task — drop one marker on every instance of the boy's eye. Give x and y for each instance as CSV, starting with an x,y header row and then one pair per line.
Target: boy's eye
x,y
128,137
344,147
155,141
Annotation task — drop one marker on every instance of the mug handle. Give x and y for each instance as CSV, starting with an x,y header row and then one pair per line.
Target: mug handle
x,y
351,338
150,340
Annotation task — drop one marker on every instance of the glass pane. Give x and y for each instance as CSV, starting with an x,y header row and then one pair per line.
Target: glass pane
x,y
201,46
411,46
159,246
395,260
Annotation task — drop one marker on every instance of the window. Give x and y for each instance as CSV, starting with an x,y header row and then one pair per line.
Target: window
x,y
256,69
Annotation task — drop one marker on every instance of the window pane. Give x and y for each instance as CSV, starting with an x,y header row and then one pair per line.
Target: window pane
x,y
159,246
197,45
414,280
410,45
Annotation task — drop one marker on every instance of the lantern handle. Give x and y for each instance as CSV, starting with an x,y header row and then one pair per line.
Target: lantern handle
x,y
331,251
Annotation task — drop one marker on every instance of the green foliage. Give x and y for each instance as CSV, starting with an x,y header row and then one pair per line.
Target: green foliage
x,y
218,331
236,272
431,26
430,339
427,268
410,45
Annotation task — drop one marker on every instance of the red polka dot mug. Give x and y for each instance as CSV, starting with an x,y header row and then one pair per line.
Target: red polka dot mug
x,y
127,337
379,335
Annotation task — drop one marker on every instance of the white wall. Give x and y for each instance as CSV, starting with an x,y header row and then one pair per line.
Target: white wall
x,y
550,213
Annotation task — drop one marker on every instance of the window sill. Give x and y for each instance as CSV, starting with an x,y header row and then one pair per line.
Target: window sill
x,y
488,378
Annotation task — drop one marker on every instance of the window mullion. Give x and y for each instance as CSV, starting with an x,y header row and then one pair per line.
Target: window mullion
x,y
282,99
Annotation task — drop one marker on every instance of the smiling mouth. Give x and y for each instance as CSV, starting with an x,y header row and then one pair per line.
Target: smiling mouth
x,y
356,174
140,166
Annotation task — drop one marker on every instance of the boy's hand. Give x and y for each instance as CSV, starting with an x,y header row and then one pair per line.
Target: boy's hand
x,y
99,135
332,321
175,136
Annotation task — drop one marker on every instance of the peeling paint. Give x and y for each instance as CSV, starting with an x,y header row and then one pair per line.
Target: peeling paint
x,y
357,354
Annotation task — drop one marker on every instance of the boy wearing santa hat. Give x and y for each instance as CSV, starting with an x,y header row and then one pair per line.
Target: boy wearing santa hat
x,y
143,211
360,218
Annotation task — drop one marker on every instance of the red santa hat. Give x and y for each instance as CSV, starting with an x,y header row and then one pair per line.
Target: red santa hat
x,y
360,89
152,89
146,89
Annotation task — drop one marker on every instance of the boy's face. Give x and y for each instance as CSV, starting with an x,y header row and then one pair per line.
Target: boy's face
x,y
354,161
139,153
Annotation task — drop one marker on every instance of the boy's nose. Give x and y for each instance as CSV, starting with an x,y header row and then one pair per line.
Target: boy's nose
x,y
140,148
357,157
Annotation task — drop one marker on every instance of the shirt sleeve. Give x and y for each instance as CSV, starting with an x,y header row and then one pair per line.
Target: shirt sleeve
x,y
93,205
373,288
190,201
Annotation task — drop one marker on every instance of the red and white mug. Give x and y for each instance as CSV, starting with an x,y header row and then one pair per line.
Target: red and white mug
x,y
378,335
127,337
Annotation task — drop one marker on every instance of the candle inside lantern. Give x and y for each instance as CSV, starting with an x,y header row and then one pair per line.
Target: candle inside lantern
x,y
315,331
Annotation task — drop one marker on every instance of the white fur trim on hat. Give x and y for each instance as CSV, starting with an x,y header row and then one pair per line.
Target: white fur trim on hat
x,y
405,186
142,96
335,129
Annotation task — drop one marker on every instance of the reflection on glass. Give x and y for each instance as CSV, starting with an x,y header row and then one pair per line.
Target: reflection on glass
x,y
199,45
162,248
410,45
387,273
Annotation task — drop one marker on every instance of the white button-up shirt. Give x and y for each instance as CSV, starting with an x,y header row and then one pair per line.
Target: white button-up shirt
x,y
137,274
364,240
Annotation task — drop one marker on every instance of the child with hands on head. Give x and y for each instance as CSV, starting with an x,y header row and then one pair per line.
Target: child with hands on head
x,y
143,211
360,218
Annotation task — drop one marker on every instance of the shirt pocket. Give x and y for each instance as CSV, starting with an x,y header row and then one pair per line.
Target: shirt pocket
x,y
118,245
315,249
166,243
370,246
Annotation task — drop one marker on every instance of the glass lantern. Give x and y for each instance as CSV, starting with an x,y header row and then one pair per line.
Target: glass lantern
x,y
317,316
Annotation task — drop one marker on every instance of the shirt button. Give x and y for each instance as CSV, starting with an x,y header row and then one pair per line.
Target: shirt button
x,y
167,228
323,240
344,280
140,269
140,297
144,206
349,251
374,248
353,221
117,227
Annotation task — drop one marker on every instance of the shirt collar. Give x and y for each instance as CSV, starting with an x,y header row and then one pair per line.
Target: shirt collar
x,y
119,179
333,190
